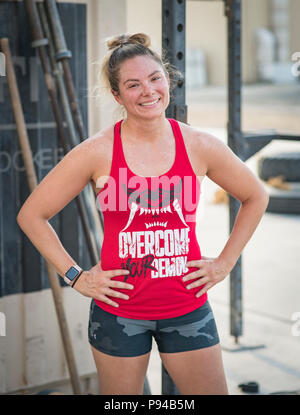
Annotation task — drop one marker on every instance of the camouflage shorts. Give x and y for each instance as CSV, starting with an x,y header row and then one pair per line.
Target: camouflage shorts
x,y
126,337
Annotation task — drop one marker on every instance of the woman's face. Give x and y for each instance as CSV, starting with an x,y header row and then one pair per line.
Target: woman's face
x,y
143,88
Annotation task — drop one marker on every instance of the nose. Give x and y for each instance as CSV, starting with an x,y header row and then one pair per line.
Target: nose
x,y
147,88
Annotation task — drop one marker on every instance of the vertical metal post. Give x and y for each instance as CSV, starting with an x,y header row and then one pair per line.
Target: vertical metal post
x,y
173,45
233,13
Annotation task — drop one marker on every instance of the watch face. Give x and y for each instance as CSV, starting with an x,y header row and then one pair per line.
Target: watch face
x,y
71,273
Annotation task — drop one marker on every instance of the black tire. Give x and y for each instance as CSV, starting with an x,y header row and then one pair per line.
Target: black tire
x,y
284,201
285,164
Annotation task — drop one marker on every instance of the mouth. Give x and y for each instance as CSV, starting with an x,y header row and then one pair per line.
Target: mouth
x,y
150,104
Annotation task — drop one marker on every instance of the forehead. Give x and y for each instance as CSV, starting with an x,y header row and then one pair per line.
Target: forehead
x,y
138,67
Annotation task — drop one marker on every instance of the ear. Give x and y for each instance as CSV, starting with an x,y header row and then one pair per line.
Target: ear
x,y
116,96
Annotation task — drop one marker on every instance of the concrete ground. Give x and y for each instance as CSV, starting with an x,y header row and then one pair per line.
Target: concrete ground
x,y
263,107
270,261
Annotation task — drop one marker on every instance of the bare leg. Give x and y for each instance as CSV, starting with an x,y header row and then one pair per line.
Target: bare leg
x,y
121,375
197,372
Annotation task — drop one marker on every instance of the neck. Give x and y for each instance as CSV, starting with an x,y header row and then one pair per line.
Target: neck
x,y
145,130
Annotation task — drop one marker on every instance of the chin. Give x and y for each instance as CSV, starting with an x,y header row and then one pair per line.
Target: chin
x,y
153,116
155,113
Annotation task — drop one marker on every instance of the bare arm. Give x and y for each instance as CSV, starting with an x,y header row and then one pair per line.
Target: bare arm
x,y
230,173
62,184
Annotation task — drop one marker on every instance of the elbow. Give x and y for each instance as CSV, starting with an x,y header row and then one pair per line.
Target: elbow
x,y
262,196
22,218
26,217
265,198
262,200
19,217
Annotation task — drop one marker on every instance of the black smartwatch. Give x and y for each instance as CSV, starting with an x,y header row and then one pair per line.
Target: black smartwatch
x,y
71,275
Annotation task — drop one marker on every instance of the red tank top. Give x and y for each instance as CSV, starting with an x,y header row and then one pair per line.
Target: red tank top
x,y
149,229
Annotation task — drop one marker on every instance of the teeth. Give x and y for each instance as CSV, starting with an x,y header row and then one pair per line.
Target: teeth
x,y
150,103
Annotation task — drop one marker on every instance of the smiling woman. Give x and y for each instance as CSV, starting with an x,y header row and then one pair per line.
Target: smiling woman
x,y
150,248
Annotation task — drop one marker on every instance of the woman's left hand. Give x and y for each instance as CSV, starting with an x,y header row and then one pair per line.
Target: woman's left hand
x,y
210,271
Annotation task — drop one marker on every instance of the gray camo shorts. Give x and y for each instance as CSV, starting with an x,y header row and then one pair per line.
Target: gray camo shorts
x,y
126,337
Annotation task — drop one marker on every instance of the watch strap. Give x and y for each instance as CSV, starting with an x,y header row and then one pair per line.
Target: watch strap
x,y
76,278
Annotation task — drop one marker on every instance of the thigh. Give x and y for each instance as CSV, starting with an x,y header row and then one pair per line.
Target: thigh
x,y
191,331
197,372
120,375
190,350
121,350
118,336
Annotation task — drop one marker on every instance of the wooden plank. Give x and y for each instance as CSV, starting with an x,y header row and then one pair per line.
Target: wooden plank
x,y
13,346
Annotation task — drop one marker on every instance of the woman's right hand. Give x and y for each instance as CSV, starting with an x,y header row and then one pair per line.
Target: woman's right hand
x,y
97,284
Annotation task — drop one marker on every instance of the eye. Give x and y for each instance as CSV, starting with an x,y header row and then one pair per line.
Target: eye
x,y
132,85
155,78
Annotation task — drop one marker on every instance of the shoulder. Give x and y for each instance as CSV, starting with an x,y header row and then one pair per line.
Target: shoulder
x,y
98,144
93,155
199,139
93,151
202,144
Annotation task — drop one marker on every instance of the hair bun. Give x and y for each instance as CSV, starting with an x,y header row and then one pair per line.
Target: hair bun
x,y
137,38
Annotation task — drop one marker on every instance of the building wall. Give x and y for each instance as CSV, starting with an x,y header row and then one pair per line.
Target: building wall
x,y
106,18
294,26
254,15
145,16
206,29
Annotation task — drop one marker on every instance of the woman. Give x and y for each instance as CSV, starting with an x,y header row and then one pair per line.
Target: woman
x,y
152,279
